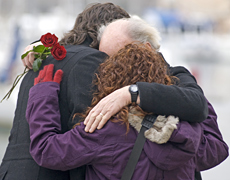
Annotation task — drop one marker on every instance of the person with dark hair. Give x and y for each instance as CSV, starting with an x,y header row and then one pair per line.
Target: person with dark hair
x,y
105,152
76,85
79,66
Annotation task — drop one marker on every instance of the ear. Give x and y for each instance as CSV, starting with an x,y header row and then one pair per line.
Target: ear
x,y
148,44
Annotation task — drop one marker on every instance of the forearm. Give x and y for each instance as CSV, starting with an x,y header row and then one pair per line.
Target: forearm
x,y
185,99
186,104
48,147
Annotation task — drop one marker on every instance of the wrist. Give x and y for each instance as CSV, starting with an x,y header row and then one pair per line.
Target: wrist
x,y
126,95
134,92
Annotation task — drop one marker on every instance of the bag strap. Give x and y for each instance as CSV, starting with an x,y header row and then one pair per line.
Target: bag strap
x,y
198,175
147,123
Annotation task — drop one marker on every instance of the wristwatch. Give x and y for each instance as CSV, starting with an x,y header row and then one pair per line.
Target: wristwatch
x,y
133,89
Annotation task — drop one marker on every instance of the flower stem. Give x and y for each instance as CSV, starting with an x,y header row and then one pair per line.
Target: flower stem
x,y
17,79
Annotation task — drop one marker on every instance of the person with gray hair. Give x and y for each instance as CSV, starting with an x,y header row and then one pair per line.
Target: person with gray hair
x,y
135,28
115,35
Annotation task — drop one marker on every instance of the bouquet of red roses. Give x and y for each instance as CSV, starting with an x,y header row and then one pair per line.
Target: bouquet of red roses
x,y
50,46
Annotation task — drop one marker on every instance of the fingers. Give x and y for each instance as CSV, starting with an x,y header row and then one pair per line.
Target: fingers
x,y
36,81
48,72
39,78
104,120
94,115
46,75
29,59
42,74
107,107
58,76
95,123
99,115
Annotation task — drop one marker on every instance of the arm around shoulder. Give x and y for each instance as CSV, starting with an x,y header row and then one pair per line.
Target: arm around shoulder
x,y
184,100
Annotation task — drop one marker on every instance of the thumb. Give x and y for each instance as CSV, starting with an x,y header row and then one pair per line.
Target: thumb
x,y
58,76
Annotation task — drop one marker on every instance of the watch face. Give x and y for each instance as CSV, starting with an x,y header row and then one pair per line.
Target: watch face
x,y
134,88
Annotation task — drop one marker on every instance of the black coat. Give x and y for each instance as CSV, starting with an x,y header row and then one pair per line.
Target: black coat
x,y
79,67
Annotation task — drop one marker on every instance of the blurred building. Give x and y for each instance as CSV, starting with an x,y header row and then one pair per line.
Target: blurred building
x,y
216,10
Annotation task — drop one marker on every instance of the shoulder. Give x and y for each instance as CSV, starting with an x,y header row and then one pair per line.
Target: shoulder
x,y
81,53
183,74
81,48
177,70
111,133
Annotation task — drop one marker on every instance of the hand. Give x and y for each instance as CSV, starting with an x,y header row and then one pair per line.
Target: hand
x,y
46,75
29,59
106,108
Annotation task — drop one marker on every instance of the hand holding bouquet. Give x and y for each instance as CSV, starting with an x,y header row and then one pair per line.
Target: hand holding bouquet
x,y
50,46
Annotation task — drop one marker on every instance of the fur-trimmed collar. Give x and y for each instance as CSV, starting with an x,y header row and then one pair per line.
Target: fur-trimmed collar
x,y
162,128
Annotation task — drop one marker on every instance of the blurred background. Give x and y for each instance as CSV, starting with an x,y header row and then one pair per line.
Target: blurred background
x,y
195,34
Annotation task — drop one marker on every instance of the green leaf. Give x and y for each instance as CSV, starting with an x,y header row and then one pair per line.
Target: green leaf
x,y
36,56
25,54
39,48
37,64
43,57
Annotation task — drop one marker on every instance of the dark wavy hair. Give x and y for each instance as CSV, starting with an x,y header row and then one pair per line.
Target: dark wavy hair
x,y
89,21
134,63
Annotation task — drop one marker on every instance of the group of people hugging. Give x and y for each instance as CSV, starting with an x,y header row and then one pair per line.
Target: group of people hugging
x,y
81,117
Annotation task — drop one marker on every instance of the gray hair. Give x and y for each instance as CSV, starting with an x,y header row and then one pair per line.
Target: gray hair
x,y
138,30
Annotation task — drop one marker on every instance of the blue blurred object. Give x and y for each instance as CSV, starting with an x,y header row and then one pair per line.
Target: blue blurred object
x,y
5,75
172,18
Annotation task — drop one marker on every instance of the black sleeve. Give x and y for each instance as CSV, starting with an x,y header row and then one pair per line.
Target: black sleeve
x,y
185,99
79,84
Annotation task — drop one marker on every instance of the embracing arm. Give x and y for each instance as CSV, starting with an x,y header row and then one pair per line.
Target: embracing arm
x,y
212,149
48,147
184,100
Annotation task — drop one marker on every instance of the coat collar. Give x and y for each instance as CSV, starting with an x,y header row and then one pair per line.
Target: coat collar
x,y
162,128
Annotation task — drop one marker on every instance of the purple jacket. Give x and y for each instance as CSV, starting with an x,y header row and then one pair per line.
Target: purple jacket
x,y
212,149
106,151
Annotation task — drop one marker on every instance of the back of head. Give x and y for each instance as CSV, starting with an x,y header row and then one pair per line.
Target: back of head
x,y
133,28
89,21
136,62
141,31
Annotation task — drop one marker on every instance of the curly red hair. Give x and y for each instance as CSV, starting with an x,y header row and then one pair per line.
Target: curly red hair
x,y
135,62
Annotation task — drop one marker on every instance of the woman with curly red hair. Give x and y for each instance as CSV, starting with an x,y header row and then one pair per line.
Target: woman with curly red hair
x,y
170,155
134,63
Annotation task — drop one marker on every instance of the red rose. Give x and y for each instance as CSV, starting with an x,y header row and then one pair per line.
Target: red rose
x,y
58,52
49,40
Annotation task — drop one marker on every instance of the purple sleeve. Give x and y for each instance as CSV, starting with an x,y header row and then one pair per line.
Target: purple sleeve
x,y
181,147
48,147
212,150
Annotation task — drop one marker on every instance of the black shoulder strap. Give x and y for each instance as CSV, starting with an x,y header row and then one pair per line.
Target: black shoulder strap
x,y
147,123
198,176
